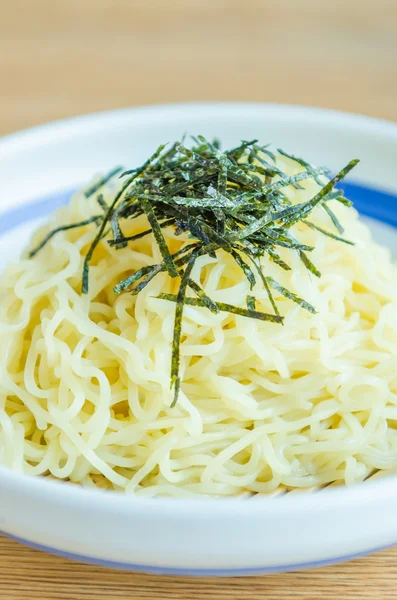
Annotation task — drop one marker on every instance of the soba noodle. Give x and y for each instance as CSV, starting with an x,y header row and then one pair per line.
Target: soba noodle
x,y
85,385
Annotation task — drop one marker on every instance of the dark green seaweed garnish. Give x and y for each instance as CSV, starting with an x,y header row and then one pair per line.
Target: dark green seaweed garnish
x,y
230,201
47,238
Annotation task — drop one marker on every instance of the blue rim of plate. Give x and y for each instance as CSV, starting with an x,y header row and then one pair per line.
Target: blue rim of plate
x,y
186,572
369,201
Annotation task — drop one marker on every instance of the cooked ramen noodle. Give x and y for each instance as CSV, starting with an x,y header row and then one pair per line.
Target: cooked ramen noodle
x,y
85,378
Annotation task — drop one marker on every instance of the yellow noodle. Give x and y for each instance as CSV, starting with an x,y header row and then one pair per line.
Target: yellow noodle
x,y
85,380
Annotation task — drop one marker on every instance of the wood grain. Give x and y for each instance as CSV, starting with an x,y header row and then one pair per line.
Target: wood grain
x,y
59,58
27,574
63,58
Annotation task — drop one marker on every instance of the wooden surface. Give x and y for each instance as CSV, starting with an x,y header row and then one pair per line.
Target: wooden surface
x,y
59,58
64,57
29,574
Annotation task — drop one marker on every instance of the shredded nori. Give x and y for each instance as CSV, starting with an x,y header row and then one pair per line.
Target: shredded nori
x,y
230,201
51,234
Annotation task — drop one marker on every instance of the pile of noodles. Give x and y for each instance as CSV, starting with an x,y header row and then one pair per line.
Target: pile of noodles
x,y
85,379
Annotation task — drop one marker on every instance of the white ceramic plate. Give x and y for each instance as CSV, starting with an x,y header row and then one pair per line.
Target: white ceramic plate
x,y
38,168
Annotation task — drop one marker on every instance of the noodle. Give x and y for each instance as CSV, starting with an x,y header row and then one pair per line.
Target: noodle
x,y
84,379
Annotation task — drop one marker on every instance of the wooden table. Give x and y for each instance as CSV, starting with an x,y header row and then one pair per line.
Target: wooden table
x,y
59,58
29,574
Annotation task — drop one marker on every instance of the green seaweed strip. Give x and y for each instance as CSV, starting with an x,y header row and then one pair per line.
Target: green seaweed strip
x,y
126,283
222,178
146,164
118,237
140,286
180,301
35,250
266,286
290,295
207,302
223,307
265,150
308,264
239,151
132,238
101,201
292,179
244,267
97,186
328,233
252,228
278,260
142,234
158,234
108,214
308,206
334,219
304,163
251,302
98,237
